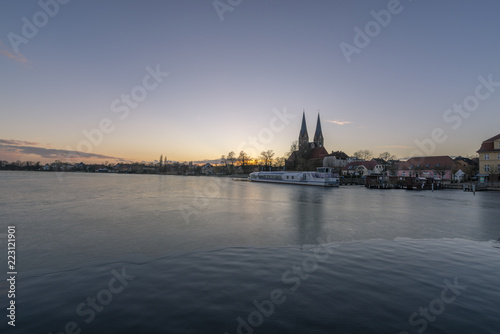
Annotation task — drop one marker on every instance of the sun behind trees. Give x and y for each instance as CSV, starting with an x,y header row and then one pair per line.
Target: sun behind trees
x,y
267,157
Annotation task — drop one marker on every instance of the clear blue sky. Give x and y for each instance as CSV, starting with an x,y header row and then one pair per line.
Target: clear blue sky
x,y
225,77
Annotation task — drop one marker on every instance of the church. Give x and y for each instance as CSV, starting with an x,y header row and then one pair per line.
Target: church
x,y
309,154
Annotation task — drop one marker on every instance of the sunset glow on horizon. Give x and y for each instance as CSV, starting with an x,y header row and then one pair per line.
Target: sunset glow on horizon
x,y
128,81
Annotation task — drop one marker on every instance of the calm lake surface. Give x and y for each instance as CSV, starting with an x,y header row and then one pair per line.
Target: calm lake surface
x,y
107,253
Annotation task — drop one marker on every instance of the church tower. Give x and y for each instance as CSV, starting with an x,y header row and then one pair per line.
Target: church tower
x,y
303,136
318,135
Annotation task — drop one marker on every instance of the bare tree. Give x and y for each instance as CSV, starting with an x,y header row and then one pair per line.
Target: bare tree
x,y
231,157
267,157
243,159
386,156
294,157
471,170
279,162
363,154
293,147
223,163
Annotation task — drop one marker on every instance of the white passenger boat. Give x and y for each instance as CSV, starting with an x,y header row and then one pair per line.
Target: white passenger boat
x,y
323,177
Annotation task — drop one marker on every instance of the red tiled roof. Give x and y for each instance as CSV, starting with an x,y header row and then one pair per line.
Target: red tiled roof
x,y
488,144
318,152
442,161
493,138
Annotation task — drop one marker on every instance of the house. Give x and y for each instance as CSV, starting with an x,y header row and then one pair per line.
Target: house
x,y
489,159
97,168
459,175
124,168
467,168
363,168
80,166
67,167
437,167
207,169
336,159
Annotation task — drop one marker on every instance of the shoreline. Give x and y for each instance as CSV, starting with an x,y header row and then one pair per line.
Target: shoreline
x,y
242,177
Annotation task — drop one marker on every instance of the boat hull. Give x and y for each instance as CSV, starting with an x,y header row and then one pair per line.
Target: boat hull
x,y
321,178
301,183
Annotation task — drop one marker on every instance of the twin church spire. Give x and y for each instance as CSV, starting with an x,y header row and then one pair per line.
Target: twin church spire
x,y
304,137
318,135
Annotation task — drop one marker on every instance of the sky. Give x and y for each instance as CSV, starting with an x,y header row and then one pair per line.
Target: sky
x,y
98,81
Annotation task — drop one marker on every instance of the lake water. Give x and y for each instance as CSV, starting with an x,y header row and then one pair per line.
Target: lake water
x,y
106,253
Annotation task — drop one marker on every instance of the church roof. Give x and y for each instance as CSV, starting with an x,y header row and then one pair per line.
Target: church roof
x,y
303,129
318,129
318,152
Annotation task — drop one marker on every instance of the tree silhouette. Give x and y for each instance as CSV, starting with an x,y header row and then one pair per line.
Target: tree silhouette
x,y
243,159
363,155
267,157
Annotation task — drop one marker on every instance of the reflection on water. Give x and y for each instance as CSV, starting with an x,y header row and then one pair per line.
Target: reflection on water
x,y
309,214
393,249
94,217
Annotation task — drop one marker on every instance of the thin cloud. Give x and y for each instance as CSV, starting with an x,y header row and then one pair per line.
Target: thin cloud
x,y
17,142
340,122
56,154
396,146
13,55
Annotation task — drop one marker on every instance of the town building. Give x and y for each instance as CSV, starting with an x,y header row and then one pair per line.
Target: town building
x,y
363,168
337,160
437,167
207,169
489,159
467,168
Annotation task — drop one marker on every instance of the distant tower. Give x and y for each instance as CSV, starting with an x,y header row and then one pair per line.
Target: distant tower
x,y
318,135
303,136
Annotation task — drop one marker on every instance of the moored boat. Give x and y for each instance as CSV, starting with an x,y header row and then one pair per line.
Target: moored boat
x,y
323,177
